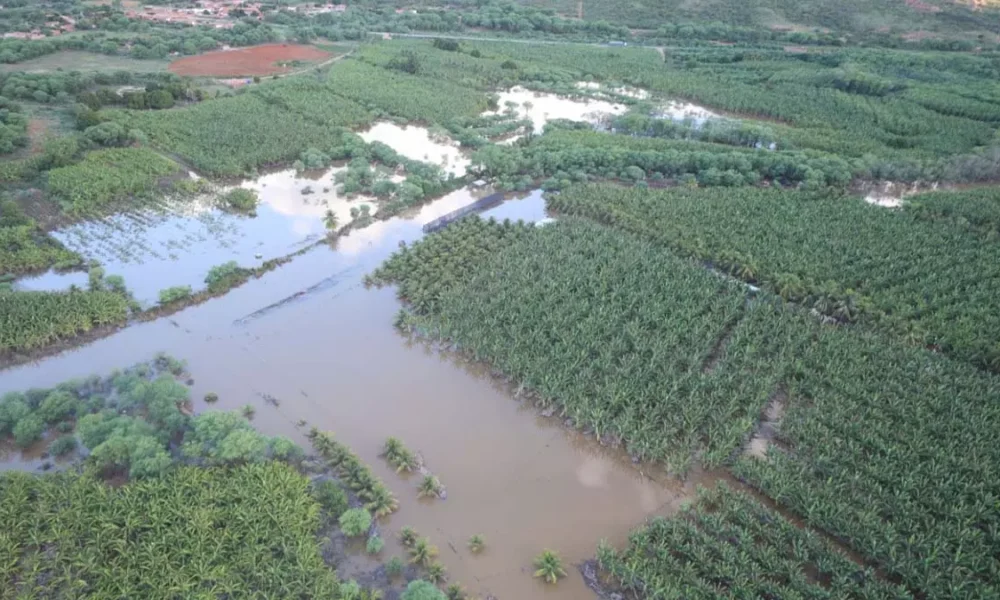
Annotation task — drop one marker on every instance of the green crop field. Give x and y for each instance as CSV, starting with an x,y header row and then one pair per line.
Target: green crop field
x,y
836,254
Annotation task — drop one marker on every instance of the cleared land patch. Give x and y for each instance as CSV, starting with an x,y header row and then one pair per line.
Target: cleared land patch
x,y
268,59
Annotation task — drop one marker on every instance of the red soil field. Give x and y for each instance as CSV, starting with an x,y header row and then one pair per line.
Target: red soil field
x,y
255,60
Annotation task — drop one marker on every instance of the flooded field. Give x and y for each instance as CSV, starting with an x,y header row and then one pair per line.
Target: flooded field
x,y
51,281
177,242
417,143
542,107
309,342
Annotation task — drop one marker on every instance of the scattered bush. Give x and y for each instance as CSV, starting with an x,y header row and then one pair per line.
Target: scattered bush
x,y
285,449
175,294
62,445
224,276
477,544
57,406
331,498
248,411
211,398
422,590
374,545
240,199
28,430
355,522
395,566
13,408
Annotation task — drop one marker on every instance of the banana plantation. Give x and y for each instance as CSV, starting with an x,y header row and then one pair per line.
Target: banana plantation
x,y
884,445
830,252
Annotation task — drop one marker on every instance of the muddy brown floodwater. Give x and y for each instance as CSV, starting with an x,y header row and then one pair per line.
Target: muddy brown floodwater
x,y
310,336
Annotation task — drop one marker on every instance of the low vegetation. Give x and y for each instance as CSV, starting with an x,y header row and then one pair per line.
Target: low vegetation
x,y
24,248
107,176
35,320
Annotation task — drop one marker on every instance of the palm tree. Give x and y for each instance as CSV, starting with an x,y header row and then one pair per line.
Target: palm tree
x,y
549,567
330,220
429,487
423,552
408,536
436,573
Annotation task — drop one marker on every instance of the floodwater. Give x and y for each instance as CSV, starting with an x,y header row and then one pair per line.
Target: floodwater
x,y
312,337
51,281
542,107
177,242
417,143
891,194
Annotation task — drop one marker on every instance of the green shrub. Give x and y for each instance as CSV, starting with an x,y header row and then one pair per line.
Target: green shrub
x,y
285,449
13,408
330,497
28,430
211,398
240,199
224,276
57,406
62,445
355,522
395,566
175,294
374,545
223,438
422,590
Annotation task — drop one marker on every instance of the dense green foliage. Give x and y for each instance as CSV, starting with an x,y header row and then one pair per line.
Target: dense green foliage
x,y
892,450
222,277
729,546
33,320
836,254
24,248
976,209
668,391
107,176
237,532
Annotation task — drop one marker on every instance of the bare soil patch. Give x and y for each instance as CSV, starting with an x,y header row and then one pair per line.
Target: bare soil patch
x,y
269,59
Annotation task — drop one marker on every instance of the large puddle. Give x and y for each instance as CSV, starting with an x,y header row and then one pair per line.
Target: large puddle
x,y
417,143
311,336
178,242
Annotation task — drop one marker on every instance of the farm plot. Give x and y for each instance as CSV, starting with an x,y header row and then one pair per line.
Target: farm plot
x,y
893,450
833,253
729,546
268,59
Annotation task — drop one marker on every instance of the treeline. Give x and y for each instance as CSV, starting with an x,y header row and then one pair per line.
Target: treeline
x,y
143,41
91,88
561,157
